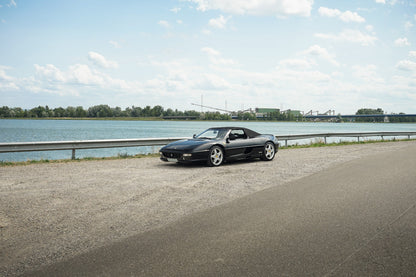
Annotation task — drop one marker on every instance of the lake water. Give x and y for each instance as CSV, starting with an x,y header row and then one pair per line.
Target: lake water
x,y
64,130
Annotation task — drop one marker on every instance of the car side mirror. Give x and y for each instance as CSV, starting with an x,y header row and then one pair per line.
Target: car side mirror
x,y
231,137
194,136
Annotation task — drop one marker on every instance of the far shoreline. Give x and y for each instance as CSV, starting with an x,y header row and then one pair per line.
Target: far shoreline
x,y
185,120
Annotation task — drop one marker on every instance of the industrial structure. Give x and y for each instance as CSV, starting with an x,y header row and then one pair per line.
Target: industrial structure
x,y
312,115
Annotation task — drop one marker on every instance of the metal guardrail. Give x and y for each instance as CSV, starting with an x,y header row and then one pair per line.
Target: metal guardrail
x,y
286,138
82,144
114,143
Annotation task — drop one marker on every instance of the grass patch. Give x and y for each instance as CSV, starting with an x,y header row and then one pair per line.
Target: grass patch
x,y
321,143
118,157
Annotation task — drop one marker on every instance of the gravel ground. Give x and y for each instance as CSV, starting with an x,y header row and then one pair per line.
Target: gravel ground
x,y
50,212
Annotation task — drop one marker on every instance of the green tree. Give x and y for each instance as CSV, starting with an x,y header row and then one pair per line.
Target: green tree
x,y
100,111
368,111
80,112
136,111
38,112
117,112
59,112
156,111
5,112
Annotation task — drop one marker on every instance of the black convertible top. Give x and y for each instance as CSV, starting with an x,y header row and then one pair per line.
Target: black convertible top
x,y
249,133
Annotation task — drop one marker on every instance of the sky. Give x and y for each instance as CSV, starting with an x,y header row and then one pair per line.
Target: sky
x,y
230,54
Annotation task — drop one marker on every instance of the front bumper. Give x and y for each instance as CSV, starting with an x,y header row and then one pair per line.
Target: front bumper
x,y
173,156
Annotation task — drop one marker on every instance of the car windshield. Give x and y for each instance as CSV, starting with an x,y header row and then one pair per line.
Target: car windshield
x,y
212,134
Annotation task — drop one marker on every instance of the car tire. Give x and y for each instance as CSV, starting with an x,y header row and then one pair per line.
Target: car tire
x,y
269,151
215,156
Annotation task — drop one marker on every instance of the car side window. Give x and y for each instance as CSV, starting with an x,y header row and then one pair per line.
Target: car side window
x,y
239,134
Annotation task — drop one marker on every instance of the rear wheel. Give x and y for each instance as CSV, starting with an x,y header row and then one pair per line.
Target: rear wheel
x,y
269,152
216,156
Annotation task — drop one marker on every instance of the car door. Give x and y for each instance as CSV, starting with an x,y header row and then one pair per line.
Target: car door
x,y
237,143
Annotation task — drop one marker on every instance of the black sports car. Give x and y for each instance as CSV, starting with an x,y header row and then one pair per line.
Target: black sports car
x,y
217,145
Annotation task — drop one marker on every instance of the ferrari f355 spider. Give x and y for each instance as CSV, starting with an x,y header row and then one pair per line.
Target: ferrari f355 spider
x,y
217,145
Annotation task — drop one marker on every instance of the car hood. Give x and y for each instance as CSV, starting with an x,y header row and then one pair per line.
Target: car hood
x,y
186,144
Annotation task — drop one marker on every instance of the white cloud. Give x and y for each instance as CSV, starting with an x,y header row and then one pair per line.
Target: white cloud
x,y
257,7
323,11
408,25
390,2
224,62
50,72
115,44
164,23
369,28
101,61
412,54
406,65
209,81
367,73
346,16
51,79
7,82
12,3
292,81
206,32
300,64
317,51
219,22
3,75
351,17
216,58
82,74
348,35
210,51
175,10
401,42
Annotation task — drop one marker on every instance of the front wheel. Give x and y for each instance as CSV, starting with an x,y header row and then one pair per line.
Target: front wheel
x,y
216,156
269,152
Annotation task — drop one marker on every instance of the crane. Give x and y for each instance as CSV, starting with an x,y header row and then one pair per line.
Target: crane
x,y
222,110
329,112
311,112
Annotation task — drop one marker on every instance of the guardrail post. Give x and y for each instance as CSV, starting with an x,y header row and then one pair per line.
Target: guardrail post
x,y
358,138
286,142
325,140
73,154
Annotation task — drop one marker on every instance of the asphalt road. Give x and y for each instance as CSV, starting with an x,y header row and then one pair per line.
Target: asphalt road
x,y
356,219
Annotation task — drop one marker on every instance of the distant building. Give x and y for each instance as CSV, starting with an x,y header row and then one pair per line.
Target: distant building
x,y
294,113
262,112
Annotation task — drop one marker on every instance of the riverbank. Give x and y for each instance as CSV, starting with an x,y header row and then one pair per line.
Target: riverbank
x,y
192,120
51,212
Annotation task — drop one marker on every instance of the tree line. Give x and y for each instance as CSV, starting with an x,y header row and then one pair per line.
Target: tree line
x,y
367,111
105,111
98,111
